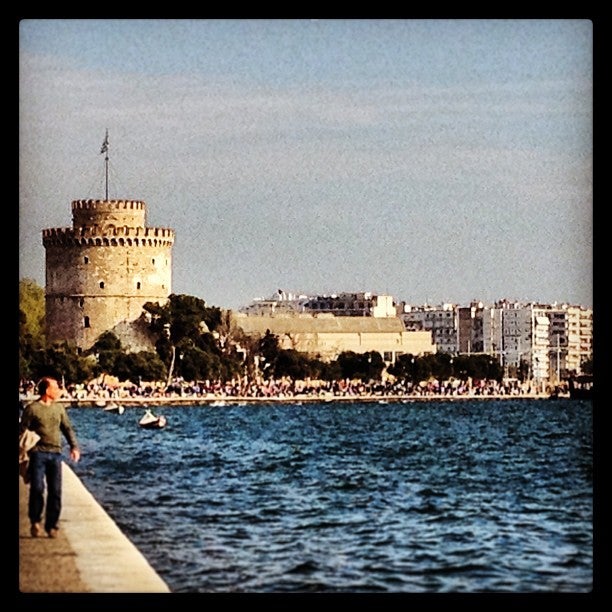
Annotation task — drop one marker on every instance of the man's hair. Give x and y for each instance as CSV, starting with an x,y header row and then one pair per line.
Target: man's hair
x,y
43,384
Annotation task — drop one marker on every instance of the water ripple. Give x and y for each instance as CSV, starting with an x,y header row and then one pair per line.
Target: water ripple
x,y
418,497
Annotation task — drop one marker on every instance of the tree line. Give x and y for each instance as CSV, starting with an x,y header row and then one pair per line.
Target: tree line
x,y
197,342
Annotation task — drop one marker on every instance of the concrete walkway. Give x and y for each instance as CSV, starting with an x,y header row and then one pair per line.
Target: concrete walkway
x,y
90,555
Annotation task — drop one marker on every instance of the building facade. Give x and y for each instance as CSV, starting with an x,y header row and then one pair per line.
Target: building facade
x,y
571,339
547,341
441,321
360,304
102,270
326,336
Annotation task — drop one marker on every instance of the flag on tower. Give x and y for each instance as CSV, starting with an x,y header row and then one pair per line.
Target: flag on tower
x,y
104,148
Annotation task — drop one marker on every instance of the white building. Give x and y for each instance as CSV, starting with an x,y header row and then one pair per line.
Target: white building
x,y
525,338
281,302
571,339
548,341
361,304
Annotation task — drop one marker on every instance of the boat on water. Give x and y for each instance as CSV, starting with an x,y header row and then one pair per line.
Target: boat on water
x,y
152,421
114,407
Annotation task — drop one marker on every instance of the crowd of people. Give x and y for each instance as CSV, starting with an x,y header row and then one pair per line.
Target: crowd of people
x,y
107,388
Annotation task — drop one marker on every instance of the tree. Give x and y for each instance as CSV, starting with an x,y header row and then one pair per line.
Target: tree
x,y
290,362
404,367
268,348
107,351
144,365
184,324
183,316
107,341
31,325
329,371
364,366
32,312
63,362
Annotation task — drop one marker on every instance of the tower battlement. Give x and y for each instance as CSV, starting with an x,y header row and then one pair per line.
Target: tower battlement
x,y
91,213
108,235
103,269
108,204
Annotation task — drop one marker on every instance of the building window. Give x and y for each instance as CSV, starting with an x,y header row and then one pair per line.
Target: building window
x,y
153,261
86,259
86,322
101,284
81,302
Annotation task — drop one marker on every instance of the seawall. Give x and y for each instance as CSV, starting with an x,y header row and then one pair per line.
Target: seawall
x,y
90,555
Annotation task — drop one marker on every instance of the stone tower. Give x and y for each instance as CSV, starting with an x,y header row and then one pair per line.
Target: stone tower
x,y
103,269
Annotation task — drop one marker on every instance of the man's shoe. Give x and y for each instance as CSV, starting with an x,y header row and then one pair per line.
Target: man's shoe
x,y
35,530
52,533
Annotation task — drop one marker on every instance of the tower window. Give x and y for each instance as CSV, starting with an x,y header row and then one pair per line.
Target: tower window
x,y
153,261
86,322
86,259
101,284
81,302
138,285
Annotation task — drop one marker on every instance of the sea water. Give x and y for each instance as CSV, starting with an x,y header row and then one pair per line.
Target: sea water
x,y
422,497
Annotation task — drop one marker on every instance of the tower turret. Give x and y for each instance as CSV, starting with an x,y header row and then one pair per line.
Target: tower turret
x,y
103,269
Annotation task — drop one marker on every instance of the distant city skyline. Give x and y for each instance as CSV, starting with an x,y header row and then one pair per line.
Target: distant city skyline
x,y
431,160
296,296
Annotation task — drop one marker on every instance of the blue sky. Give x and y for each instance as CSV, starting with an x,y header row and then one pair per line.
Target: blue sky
x,y
435,160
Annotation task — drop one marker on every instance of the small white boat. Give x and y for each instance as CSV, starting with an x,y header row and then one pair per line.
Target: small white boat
x,y
151,421
114,407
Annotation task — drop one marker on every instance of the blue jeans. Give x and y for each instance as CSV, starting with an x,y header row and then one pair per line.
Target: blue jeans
x,y
45,467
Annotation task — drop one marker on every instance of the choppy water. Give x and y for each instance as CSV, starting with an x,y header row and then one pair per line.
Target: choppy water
x,y
421,497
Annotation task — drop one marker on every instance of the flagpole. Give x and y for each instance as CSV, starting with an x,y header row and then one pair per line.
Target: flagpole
x,y
106,164
105,151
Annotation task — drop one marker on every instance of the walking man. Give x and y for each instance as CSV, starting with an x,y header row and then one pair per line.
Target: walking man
x,y
49,419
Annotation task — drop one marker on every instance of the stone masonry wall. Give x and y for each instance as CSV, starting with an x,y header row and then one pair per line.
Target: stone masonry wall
x,y
100,272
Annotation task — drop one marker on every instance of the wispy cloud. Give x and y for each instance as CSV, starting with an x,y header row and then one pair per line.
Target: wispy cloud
x,y
424,156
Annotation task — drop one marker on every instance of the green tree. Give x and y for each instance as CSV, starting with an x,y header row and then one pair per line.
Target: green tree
x,y
143,365
329,371
31,326
183,316
294,364
107,341
107,350
404,367
184,324
364,366
63,362
32,311
268,349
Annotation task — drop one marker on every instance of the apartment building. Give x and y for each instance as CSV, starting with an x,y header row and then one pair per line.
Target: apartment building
x,y
441,321
544,341
360,304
